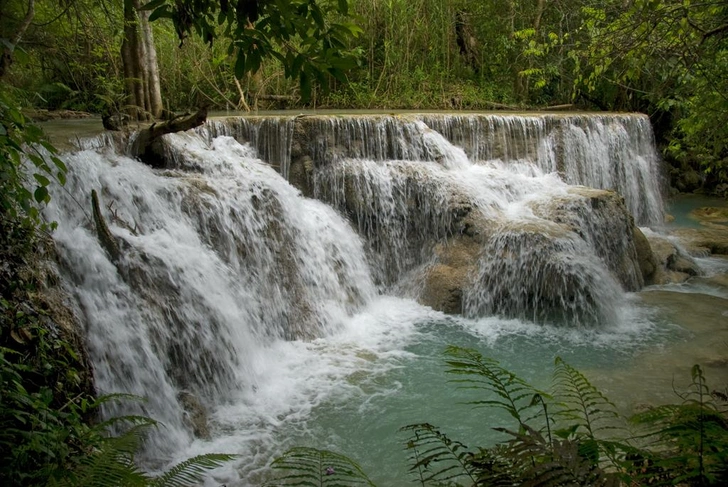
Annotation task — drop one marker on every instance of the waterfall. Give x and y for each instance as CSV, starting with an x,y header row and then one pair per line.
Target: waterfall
x,y
216,265
265,231
605,151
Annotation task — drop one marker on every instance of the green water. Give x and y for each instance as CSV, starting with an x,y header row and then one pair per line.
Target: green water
x,y
681,207
634,364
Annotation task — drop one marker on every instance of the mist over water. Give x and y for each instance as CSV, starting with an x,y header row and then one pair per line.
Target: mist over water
x,y
286,317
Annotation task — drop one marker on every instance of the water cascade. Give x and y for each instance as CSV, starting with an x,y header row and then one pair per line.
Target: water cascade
x,y
214,267
268,231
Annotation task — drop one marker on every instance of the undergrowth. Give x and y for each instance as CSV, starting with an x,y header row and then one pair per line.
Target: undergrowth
x,y
50,430
572,435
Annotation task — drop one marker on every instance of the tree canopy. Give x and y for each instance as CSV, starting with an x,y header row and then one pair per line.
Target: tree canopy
x,y
665,58
310,38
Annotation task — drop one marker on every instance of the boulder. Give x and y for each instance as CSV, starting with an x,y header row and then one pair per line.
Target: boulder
x,y
195,414
445,280
645,257
673,263
600,218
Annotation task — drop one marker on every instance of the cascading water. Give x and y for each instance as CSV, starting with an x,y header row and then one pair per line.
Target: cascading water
x,y
537,262
600,151
263,307
215,266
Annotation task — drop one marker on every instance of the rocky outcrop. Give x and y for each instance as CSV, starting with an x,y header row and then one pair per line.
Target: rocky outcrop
x,y
645,257
672,263
38,320
195,414
602,220
456,262
520,268
712,237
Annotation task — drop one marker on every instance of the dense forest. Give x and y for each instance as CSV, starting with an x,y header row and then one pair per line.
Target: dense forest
x,y
667,59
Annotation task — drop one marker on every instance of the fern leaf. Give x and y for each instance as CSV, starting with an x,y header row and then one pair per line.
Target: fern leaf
x,y
514,395
314,467
692,437
191,471
582,402
495,467
110,464
435,457
558,463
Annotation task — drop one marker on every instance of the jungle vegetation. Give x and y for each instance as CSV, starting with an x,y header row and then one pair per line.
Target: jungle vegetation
x,y
569,435
665,58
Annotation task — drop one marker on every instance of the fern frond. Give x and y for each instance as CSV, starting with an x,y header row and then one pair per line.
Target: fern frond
x,y
314,467
110,464
495,467
191,471
580,401
692,439
435,457
124,421
514,395
557,463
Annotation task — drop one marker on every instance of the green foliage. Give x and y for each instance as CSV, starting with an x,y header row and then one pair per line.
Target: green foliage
x,y
44,444
582,405
302,34
666,58
21,145
536,461
690,439
684,444
310,466
69,54
513,394
191,471
435,457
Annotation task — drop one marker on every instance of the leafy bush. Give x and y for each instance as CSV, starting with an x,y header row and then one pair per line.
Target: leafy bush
x,y
572,436
22,145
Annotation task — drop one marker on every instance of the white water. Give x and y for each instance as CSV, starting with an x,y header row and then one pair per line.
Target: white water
x,y
216,268
262,303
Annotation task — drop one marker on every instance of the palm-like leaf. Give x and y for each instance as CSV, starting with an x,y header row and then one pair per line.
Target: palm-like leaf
x,y
514,395
305,466
191,471
435,457
581,402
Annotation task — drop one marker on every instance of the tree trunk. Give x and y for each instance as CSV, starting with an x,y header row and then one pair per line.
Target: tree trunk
x,y
141,72
6,56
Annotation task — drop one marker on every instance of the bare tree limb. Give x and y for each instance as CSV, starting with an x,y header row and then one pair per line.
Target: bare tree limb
x,y
145,146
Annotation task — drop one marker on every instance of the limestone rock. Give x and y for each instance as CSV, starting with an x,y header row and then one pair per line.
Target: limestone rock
x,y
195,414
475,269
674,265
712,237
711,214
645,257
601,218
445,281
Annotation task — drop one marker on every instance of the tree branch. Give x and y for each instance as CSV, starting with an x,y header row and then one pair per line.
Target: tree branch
x,y
145,146
6,59
714,32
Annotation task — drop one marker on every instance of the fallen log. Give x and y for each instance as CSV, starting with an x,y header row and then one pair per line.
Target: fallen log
x,y
275,97
566,106
146,145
